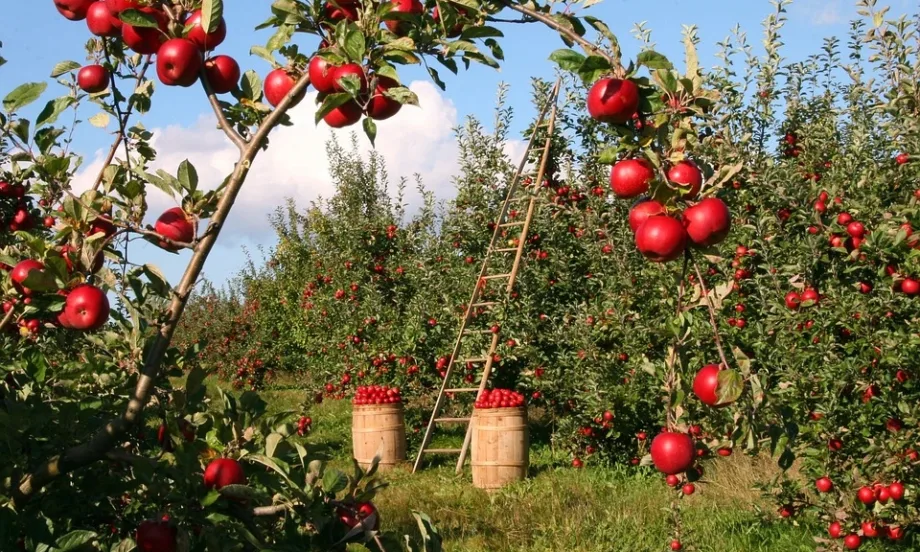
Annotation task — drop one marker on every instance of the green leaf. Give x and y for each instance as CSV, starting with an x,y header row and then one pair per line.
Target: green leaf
x,y
137,18
252,86
402,95
331,102
157,280
188,176
271,443
20,128
608,156
355,547
64,67
334,481
370,129
263,53
23,95
568,60
354,45
194,380
74,540
653,60
281,38
100,120
475,31
212,11
53,110
729,387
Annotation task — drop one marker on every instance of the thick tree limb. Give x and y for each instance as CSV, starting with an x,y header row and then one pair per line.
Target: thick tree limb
x,y
109,435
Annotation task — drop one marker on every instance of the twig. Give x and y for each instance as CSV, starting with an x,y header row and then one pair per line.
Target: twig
x,y
108,436
6,319
568,33
121,125
272,510
712,314
222,121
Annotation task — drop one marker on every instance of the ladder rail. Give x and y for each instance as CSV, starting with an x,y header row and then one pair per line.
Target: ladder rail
x,y
552,101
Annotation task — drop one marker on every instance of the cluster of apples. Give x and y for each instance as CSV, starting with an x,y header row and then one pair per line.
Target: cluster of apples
x,y
659,236
499,398
15,212
178,46
376,394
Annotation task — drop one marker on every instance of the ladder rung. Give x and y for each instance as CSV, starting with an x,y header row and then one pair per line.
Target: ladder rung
x,y
462,390
485,304
496,276
474,360
452,420
510,224
442,451
504,249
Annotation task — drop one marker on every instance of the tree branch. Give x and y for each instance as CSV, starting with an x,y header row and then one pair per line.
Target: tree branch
x,y
109,435
122,123
566,32
222,121
712,314
6,319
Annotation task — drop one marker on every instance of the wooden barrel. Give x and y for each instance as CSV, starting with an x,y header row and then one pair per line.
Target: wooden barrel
x,y
379,428
500,446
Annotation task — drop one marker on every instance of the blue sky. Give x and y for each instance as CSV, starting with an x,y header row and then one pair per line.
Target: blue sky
x,y
35,37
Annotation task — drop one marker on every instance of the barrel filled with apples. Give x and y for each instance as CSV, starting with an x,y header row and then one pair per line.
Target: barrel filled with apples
x,y
500,446
378,426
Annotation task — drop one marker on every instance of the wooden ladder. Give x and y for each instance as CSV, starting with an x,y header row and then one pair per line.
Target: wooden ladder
x,y
502,224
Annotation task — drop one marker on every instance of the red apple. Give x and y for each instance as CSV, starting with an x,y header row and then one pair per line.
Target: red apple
x,y
398,27
344,115
341,9
200,37
642,210
381,106
810,297
176,225
902,158
910,286
896,491
793,300
687,174
661,238
74,10
706,385
223,73
277,85
856,229
118,6
672,453
349,69
223,472
866,495
824,485
630,177
101,21
321,72
835,530
145,40
178,62
21,271
613,100
156,536
707,222
86,308
852,541
93,79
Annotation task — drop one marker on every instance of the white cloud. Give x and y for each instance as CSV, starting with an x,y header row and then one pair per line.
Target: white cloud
x,y
416,141
824,12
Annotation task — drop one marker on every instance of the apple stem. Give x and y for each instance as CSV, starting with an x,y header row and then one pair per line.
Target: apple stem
x,y
712,314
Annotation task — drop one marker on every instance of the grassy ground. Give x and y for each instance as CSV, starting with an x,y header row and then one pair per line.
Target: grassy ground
x,y
595,509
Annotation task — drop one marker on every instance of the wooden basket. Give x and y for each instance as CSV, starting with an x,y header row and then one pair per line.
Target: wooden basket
x,y
379,427
500,446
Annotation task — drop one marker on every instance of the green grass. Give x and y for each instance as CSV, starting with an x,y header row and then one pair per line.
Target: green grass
x,y
596,509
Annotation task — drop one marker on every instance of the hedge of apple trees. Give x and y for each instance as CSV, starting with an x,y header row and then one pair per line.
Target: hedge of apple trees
x,y
110,439
651,332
